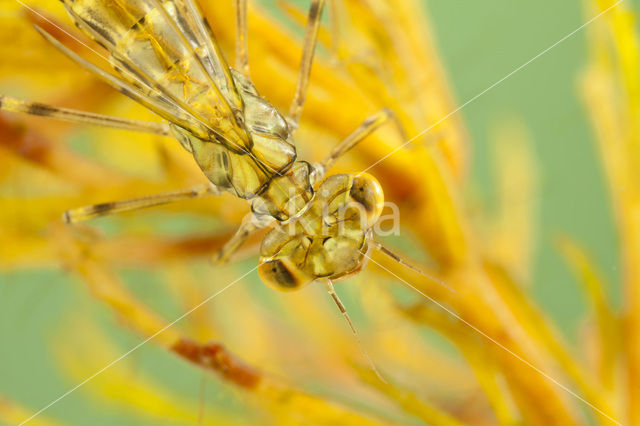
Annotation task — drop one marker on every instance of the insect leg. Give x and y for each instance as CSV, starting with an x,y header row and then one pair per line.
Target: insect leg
x,y
250,225
370,125
332,292
242,32
96,210
35,108
308,50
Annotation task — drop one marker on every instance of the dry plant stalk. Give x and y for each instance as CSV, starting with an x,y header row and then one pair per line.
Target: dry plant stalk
x,y
385,58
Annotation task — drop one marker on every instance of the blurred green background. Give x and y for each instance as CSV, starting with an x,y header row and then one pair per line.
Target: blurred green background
x,y
480,42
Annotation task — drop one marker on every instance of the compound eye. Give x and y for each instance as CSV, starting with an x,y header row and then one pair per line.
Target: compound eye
x,y
367,192
280,275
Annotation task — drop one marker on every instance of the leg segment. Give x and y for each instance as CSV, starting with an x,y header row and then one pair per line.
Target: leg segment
x,y
371,124
250,225
308,50
242,32
332,292
96,210
74,116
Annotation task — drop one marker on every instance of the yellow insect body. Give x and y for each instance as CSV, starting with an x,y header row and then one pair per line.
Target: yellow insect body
x,y
165,56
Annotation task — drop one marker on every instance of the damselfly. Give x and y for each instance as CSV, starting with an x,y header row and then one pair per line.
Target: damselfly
x,y
165,57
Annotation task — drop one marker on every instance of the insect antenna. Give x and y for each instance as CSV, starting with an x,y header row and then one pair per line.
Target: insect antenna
x,y
329,286
378,246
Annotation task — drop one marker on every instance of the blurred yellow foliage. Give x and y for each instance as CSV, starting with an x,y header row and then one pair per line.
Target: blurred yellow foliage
x,y
385,58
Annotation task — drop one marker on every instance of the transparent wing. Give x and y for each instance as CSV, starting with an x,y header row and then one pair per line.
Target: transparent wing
x,y
197,31
151,99
166,51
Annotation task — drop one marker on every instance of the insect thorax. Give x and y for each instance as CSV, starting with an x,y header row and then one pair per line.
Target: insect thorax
x,y
328,239
247,171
